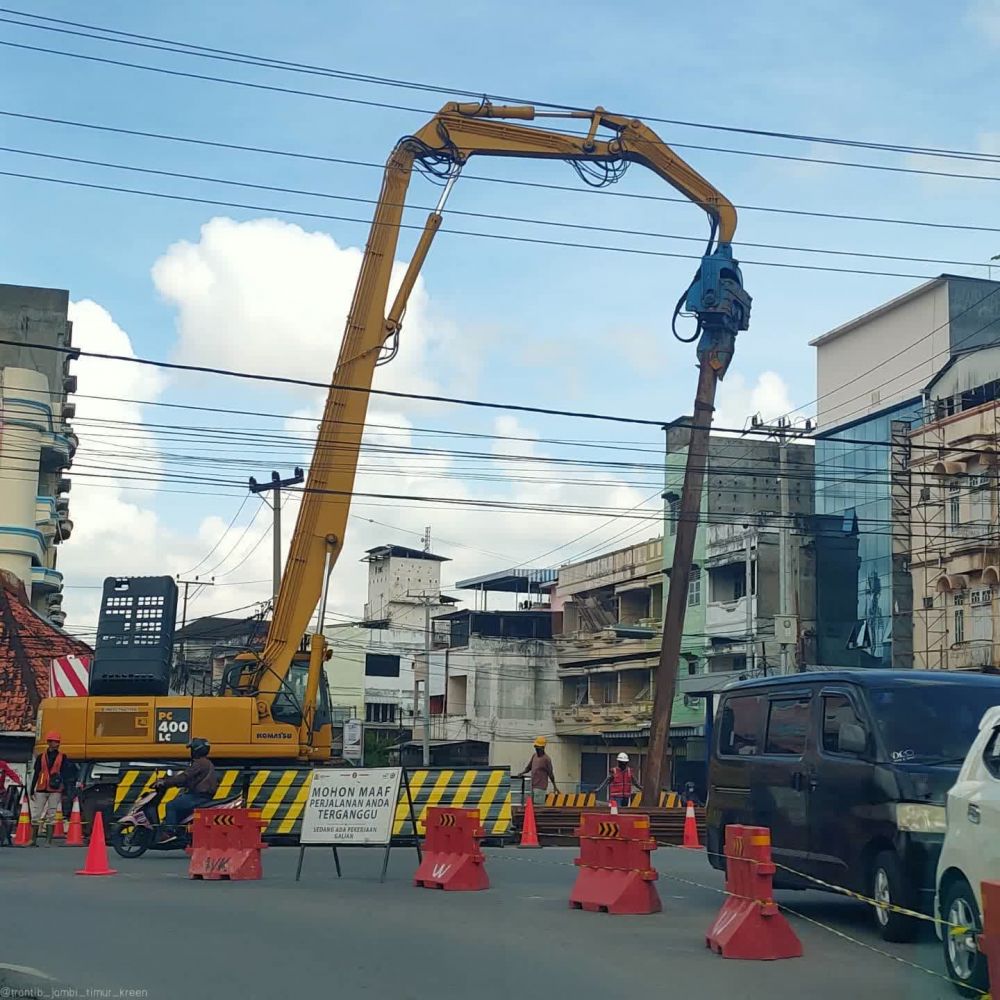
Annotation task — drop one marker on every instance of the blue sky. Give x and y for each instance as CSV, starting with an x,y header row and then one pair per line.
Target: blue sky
x,y
561,326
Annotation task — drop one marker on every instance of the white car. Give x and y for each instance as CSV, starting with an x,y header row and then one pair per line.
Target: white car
x,y
971,855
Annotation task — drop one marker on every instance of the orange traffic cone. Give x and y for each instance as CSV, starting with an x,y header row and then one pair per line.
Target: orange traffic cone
x,y
74,836
614,807
529,833
97,852
59,830
22,836
690,828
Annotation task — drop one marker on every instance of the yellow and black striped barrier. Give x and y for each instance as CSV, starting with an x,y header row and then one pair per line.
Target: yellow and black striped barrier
x,y
486,789
280,794
588,800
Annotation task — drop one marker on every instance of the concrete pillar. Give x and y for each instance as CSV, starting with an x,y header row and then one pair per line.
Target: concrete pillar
x,y
25,416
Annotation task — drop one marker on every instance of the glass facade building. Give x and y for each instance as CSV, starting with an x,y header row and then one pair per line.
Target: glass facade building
x,y
853,467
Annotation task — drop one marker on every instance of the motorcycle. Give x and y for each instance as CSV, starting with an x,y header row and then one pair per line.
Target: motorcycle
x,y
140,829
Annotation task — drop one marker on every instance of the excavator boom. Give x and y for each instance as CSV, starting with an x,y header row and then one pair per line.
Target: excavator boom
x,y
442,147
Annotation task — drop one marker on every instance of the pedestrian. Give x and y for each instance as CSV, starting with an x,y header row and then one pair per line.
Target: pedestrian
x,y
540,769
47,782
620,783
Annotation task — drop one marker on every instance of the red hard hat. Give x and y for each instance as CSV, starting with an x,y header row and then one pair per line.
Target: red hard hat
x,y
53,737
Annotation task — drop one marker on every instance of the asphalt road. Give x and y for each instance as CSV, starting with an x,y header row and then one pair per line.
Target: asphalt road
x,y
150,929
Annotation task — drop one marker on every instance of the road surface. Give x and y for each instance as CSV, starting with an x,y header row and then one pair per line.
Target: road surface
x,y
150,932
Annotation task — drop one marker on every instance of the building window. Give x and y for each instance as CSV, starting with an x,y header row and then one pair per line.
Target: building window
x,y
954,504
694,588
610,692
381,665
959,635
379,712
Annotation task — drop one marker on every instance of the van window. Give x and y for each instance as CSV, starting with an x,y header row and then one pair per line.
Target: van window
x,y
740,726
837,711
787,723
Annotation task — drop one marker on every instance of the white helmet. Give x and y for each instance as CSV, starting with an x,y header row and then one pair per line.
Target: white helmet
x,y
622,758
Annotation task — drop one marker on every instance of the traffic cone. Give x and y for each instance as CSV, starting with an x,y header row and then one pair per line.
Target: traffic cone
x,y
22,836
614,807
74,836
529,833
97,852
59,830
690,828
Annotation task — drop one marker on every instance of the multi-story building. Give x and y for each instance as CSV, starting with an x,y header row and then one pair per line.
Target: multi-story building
x,y
404,597
608,649
951,517
871,372
500,684
743,620
39,444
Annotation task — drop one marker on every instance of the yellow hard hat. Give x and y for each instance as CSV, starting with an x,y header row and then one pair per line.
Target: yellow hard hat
x,y
540,741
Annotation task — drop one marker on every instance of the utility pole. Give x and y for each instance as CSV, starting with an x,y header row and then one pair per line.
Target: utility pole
x,y
715,350
187,584
783,432
748,567
427,663
275,486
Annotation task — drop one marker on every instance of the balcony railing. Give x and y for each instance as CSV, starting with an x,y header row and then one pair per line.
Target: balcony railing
x,y
594,717
729,618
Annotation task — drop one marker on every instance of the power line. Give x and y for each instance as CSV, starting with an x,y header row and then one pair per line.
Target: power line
x,y
228,55
506,237
319,158
520,220
398,107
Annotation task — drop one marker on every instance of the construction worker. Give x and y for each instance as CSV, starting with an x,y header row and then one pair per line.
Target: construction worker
x,y
620,782
47,782
199,782
540,769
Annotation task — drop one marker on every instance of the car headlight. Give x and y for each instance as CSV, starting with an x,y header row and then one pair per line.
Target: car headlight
x,y
918,817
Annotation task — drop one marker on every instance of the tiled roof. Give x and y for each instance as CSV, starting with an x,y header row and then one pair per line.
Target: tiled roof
x,y
27,644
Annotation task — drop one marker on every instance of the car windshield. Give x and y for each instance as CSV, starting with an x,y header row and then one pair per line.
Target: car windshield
x,y
927,725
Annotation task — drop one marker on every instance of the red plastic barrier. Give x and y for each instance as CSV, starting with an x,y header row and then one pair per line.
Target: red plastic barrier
x,y
226,844
989,940
451,856
616,874
749,925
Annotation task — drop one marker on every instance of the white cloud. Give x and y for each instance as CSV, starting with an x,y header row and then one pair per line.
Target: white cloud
x,y
268,296
737,400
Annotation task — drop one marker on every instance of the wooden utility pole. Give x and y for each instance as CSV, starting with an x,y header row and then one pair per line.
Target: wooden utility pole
x,y
276,485
711,367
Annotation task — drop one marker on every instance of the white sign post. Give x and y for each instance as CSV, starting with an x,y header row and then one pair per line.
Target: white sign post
x,y
351,807
354,734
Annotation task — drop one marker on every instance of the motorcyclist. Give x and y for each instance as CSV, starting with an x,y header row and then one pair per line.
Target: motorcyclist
x,y
199,782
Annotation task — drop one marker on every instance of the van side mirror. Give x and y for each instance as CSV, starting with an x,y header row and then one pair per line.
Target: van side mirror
x,y
852,739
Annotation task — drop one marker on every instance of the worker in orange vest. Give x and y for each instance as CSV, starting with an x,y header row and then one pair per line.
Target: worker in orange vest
x,y
620,783
47,783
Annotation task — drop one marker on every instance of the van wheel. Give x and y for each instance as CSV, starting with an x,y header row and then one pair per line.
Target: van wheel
x,y
888,885
965,963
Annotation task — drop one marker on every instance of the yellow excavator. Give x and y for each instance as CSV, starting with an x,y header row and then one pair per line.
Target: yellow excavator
x,y
273,708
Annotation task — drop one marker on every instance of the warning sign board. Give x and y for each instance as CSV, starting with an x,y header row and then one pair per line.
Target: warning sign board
x,y
351,806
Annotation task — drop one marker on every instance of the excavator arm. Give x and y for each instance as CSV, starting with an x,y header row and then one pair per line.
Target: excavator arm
x,y
443,146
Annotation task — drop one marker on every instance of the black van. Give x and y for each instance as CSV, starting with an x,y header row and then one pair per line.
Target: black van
x,y
849,769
